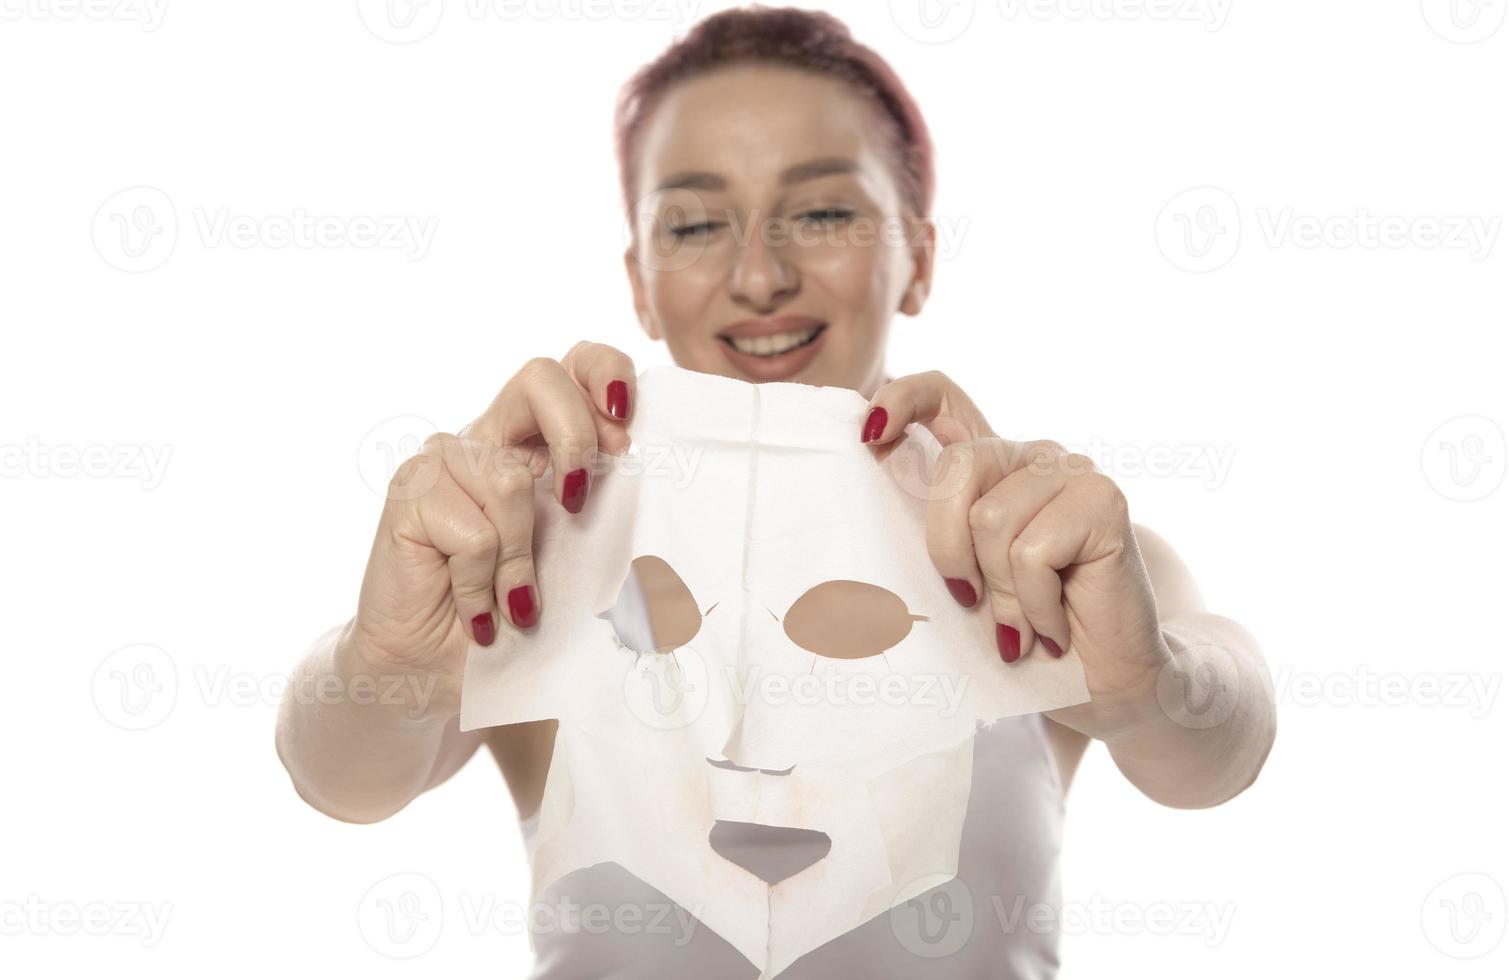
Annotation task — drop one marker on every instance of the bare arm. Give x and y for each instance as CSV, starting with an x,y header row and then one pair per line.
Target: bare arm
x,y
1200,732
370,718
360,745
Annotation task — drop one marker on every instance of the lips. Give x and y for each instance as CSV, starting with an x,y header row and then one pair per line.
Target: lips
x,y
774,348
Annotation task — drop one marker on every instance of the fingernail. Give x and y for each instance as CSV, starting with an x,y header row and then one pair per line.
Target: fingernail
x,y
1009,642
1053,648
874,425
574,490
521,607
482,628
618,399
963,592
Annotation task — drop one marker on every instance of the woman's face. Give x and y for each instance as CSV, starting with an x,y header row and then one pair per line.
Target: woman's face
x,y
771,240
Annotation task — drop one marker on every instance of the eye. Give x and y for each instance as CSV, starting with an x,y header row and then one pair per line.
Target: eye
x,y
847,620
655,611
827,216
700,228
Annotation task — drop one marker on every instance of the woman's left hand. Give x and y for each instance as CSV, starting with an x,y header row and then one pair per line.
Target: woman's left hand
x,y
1037,530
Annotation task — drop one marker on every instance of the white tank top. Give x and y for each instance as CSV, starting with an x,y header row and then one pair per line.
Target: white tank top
x,y
997,918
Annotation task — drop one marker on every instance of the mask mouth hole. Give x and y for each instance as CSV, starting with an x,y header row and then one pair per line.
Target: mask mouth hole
x,y
771,854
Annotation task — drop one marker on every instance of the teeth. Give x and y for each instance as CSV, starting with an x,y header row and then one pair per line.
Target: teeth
x,y
774,344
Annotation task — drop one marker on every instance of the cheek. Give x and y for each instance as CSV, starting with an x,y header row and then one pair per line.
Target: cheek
x,y
858,279
680,298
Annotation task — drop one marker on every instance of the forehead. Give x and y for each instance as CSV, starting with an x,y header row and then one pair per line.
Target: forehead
x,y
747,123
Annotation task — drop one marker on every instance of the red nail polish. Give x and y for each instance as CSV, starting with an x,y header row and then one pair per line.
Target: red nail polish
x,y
1053,648
963,592
618,399
482,628
1009,642
521,607
574,490
874,425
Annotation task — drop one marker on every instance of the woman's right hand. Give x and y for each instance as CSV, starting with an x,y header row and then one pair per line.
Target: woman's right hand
x,y
452,559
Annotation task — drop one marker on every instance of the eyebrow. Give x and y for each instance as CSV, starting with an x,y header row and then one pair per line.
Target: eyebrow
x,y
812,169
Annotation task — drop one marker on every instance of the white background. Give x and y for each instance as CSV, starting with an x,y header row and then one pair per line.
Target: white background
x,y
1360,541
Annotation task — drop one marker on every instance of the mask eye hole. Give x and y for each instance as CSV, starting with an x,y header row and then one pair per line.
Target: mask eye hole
x,y
655,611
847,620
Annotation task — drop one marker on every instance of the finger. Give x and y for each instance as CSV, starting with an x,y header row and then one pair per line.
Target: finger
x,y
964,472
929,398
606,377
452,523
995,521
543,400
1070,529
498,479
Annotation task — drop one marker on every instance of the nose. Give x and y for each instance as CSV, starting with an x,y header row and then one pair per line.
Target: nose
x,y
762,278
771,854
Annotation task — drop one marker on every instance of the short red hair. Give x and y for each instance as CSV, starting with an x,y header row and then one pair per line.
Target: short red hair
x,y
807,39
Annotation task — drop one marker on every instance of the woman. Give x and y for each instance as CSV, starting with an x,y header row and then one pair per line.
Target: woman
x,y
779,178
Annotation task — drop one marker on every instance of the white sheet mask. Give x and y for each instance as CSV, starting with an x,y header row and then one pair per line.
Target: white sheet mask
x,y
743,627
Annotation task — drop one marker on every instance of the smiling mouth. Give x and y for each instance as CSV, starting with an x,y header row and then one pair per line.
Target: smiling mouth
x,y
775,344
